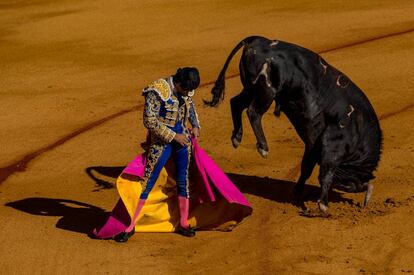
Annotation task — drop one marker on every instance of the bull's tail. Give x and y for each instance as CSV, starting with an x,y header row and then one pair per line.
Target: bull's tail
x,y
218,89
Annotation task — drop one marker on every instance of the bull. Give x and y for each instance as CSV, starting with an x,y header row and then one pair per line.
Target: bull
x,y
331,115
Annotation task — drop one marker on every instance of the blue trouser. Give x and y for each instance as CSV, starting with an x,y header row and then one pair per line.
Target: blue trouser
x,y
157,158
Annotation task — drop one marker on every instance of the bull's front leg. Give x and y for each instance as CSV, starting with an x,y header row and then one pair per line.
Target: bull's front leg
x,y
255,113
238,104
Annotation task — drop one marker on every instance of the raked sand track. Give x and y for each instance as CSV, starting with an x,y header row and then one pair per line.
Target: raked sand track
x,y
70,80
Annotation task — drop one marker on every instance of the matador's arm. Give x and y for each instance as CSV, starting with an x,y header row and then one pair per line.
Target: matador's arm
x,y
151,110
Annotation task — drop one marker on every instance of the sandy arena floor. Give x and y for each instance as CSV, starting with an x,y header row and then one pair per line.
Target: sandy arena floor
x,y
71,72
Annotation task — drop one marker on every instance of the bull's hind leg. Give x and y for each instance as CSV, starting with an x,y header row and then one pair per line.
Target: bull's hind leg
x,y
238,104
261,103
309,160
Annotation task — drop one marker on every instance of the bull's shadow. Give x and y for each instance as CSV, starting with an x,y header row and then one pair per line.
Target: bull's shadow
x,y
75,216
268,188
279,190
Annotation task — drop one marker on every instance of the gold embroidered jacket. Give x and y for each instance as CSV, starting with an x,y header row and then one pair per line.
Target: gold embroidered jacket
x,y
161,110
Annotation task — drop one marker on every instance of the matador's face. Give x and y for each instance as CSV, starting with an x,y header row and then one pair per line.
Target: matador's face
x,y
181,91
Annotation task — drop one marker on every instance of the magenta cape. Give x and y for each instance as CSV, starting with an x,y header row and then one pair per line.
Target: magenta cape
x,y
215,204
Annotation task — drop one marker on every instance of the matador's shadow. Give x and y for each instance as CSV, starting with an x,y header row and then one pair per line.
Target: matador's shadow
x,y
75,216
268,188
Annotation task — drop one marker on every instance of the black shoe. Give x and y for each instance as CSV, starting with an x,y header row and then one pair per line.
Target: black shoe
x,y
188,232
124,236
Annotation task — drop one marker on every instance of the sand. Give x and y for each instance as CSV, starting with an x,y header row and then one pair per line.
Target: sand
x,y
71,73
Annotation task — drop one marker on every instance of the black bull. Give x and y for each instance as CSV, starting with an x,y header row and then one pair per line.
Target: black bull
x,y
330,113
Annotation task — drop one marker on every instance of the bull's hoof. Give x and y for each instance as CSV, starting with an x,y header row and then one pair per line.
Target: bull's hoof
x,y
321,212
262,151
235,142
323,208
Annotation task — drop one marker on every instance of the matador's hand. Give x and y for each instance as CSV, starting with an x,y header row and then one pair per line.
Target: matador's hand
x,y
195,132
182,139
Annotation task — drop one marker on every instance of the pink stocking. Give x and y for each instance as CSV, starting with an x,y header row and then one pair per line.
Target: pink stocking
x,y
141,203
184,205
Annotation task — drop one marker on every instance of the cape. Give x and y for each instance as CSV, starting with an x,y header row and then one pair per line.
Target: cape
x,y
215,202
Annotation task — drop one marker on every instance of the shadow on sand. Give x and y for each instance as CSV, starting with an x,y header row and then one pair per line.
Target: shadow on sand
x,y
271,189
75,216
94,172
82,217
280,190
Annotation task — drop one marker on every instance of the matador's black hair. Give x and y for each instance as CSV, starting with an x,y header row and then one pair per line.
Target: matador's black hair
x,y
188,78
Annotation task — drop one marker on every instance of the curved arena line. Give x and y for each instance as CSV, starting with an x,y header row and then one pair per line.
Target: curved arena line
x,y
366,41
346,46
21,165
